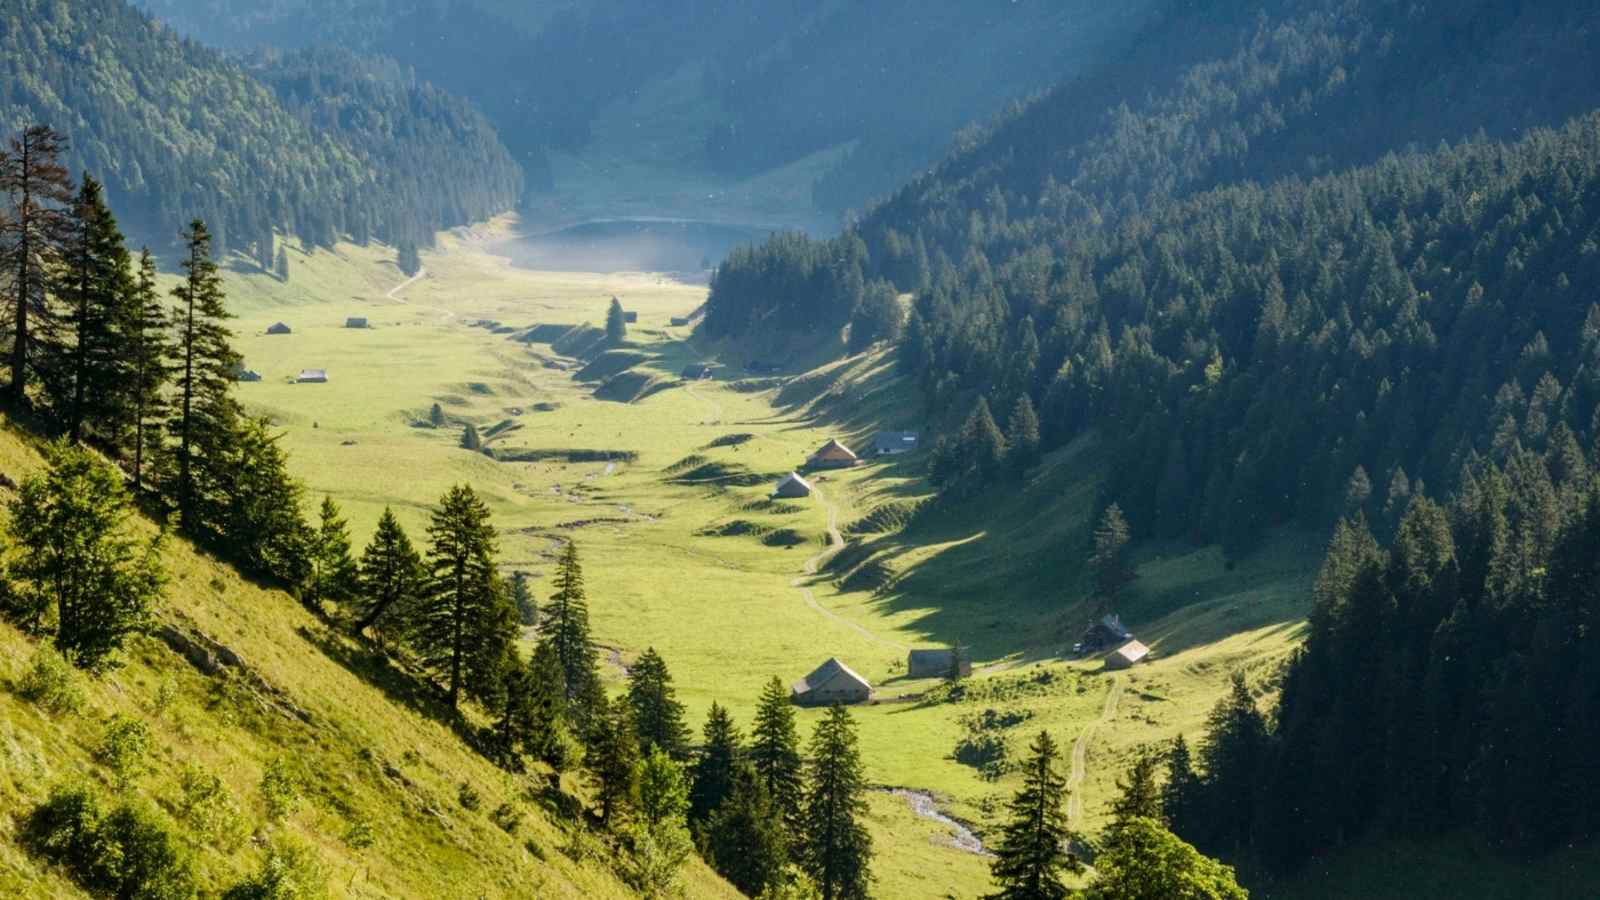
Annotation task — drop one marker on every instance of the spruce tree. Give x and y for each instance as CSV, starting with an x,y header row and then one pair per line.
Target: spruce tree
x,y
512,701
836,850
1180,794
149,348
522,599
91,384
31,241
1109,559
1031,857
566,630
547,737
1139,797
205,416
775,752
616,324
613,760
470,439
746,839
390,576
253,506
333,571
463,623
79,553
409,261
436,416
657,714
711,778
1022,436
281,269
981,447
1234,750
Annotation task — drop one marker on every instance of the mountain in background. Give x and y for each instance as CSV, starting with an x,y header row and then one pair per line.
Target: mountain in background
x,y
319,145
783,111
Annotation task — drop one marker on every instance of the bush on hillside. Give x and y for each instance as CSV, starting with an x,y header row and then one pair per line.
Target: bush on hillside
x,y
129,853
50,683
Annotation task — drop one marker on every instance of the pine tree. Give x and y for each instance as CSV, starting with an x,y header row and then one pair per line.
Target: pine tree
x,y
566,629
1022,436
333,571
711,778
746,839
149,349
253,506
470,439
613,760
1109,562
982,448
40,191
616,324
1139,797
1180,795
79,552
522,599
514,719
90,386
464,622
1031,857
436,416
547,738
205,417
836,850
775,752
657,714
1233,752
390,576
282,266
409,261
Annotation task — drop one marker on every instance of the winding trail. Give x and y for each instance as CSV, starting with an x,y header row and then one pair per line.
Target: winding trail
x,y
394,294
1080,753
835,544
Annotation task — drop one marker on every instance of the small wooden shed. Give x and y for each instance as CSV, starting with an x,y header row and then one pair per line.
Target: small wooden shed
x,y
936,662
1127,656
278,328
312,376
356,322
678,321
833,455
832,682
792,486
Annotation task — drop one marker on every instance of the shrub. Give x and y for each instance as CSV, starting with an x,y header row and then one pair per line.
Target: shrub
x,y
123,749
291,871
280,789
208,810
50,683
359,834
654,863
507,817
470,799
129,853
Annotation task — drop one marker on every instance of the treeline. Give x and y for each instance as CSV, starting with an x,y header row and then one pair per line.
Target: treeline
x,y
177,132
1450,682
1248,351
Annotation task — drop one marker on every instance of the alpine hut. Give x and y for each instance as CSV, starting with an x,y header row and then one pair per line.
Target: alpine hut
x,y
937,662
832,682
832,455
1127,656
356,322
1108,632
278,328
312,376
678,321
249,375
888,443
792,486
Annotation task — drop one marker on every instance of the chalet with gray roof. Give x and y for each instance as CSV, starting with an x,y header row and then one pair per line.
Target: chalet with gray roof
x,y
889,443
832,682
936,662
792,486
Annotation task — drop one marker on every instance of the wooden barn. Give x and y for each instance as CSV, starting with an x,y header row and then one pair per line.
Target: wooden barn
x,y
678,321
1108,632
889,443
1127,656
792,486
356,322
937,662
832,682
832,455
630,316
249,375
278,328
312,376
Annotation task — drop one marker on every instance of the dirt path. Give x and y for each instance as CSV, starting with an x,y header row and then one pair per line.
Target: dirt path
x,y
394,294
835,544
925,806
1080,753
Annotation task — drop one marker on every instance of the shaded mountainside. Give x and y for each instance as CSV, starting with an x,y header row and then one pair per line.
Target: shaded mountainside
x,y
238,680
175,131
767,85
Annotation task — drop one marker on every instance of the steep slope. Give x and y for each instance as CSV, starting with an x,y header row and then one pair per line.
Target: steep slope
x,y
176,131
381,775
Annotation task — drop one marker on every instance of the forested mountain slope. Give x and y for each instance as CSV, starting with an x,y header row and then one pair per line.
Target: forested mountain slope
x,y
755,86
1252,349
175,131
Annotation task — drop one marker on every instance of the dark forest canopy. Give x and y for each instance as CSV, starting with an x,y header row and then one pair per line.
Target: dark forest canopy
x,y
174,130
1248,347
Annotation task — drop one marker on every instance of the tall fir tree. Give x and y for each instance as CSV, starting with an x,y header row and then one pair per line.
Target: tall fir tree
x,y
657,714
1031,858
522,598
981,447
836,850
566,630
616,324
205,415
711,778
746,839
149,350
409,261
1109,561
79,553
1138,794
90,388
39,191
613,760
390,577
1234,749
547,739
1180,793
1022,436
775,752
253,512
281,268
463,622
333,571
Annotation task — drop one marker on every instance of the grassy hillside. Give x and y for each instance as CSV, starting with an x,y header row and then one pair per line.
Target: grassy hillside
x,y
374,755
